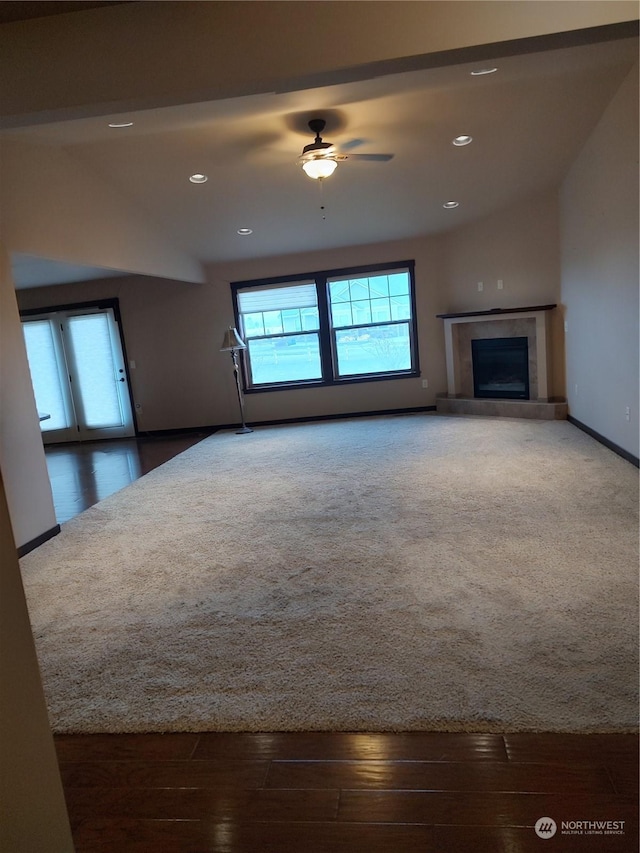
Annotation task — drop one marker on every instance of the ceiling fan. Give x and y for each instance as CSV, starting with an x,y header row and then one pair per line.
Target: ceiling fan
x,y
319,159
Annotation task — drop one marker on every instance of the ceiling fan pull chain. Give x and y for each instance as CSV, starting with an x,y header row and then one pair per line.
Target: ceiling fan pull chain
x,y
320,182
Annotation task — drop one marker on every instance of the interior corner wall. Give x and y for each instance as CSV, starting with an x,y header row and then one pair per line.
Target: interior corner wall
x,y
599,268
518,246
22,459
34,815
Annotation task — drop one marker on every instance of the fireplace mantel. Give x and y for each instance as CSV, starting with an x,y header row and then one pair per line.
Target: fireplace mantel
x,y
493,311
460,327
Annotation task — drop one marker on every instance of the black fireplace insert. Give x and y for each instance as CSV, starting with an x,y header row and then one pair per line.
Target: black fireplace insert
x,y
501,368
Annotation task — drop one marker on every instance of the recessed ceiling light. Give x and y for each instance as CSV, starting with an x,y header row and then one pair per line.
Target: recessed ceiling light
x,y
120,124
459,141
480,71
244,232
451,204
198,179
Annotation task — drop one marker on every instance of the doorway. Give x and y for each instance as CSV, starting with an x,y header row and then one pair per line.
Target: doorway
x,y
78,371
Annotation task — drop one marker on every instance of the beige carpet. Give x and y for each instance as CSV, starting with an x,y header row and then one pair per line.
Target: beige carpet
x,y
392,573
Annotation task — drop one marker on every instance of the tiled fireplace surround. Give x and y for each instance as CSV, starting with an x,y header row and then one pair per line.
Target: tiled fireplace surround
x,y
461,329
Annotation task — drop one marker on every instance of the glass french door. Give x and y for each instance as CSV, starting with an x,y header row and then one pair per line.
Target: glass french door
x,y
78,374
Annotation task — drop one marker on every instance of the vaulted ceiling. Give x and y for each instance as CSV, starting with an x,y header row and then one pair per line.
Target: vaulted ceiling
x,y
528,120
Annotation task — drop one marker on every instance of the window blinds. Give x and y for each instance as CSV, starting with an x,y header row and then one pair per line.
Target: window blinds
x,y
277,297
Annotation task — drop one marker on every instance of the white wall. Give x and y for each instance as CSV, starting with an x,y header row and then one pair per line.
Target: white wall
x,y
54,207
22,460
173,332
357,397
599,250
520,247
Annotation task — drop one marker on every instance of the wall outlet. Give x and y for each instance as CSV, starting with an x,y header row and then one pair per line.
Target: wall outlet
x,y
499,284
575,389
566,325
138,407
132,364
627,413
480,286
425,384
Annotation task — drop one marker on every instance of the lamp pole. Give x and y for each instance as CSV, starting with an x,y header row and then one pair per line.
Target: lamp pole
x,y
236,369
233,343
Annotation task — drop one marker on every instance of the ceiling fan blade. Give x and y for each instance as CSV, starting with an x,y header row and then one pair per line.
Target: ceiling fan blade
x,y
351,144
381,158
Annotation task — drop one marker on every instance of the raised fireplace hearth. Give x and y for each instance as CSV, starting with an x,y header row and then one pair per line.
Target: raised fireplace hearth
x,y
499,363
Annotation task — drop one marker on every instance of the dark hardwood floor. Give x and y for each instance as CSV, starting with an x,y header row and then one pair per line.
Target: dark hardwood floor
x,y
329,792
314,792
83,473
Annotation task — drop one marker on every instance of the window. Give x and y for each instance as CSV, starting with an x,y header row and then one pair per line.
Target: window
x,y
280,325
328,327
370,322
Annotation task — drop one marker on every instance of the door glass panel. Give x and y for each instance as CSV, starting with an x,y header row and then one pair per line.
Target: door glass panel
x,y
45,374
95,370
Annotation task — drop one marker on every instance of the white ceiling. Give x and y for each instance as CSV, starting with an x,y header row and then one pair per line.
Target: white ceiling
x,y
528,122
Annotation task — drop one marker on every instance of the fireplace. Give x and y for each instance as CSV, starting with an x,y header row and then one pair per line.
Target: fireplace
x,y
501,394
500,368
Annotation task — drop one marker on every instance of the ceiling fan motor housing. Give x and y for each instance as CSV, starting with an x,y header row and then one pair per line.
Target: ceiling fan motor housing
x,y
316,147
317,125
319,150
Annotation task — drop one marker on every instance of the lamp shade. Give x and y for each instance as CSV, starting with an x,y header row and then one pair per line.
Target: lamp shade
x,y
232,340
320,167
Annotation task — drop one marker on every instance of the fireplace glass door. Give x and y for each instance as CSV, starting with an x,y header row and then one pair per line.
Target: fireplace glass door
x,y
501,368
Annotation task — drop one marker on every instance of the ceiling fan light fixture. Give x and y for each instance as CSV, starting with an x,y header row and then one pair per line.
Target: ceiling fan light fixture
x,y
198,179
480,72
464,139
449,205
320,167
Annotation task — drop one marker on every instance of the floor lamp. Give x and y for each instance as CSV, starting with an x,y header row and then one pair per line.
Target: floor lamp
x,y
233,343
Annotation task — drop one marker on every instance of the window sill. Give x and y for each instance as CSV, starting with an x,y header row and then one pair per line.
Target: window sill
x,y
351,380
